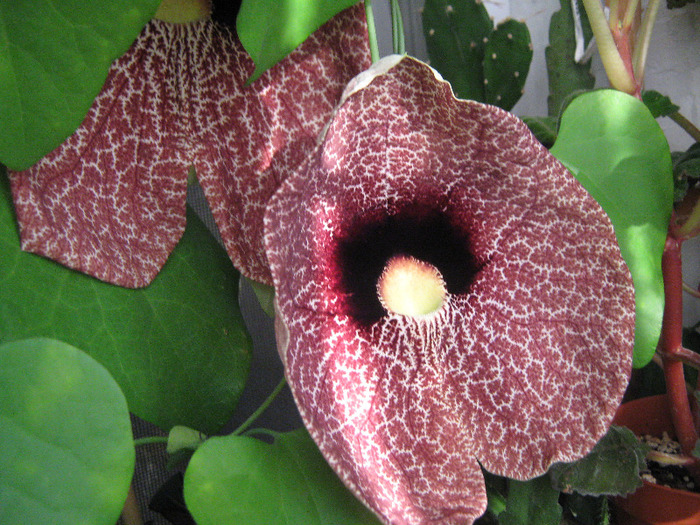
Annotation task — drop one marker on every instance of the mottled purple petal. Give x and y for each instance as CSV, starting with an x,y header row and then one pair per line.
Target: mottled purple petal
x,y
271,128
110,201
527,359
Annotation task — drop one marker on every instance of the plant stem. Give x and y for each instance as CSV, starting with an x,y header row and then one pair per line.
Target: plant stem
x,y
669,459
614,65
671,346
149,440
264,431
688,357
690,290
372,31
630,12
688,126
614,20
641,47
623,43
397,33
261,408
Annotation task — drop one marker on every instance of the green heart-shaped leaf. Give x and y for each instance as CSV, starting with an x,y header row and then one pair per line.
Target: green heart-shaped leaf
x,y
54,58
271,29
239,479
66,449
178,348
615,148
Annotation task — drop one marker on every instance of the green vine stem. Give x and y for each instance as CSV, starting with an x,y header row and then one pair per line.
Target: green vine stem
x,y
690,128
372,31
242,428
149,440
255,415
397,32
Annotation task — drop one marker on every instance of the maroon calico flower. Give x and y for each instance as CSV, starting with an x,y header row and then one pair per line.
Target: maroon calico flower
x,y
110,201
448,295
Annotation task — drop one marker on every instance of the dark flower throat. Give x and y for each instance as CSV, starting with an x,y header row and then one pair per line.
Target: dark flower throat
x,y
428,235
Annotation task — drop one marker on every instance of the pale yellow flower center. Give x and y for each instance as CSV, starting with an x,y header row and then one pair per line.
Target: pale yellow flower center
x,y
411,287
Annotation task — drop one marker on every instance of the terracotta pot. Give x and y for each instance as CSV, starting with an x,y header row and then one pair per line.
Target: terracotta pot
x,y
653,504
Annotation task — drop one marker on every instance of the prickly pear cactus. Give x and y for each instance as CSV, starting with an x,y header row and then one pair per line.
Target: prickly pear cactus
x,y
456,32
507,60
482,63
565,75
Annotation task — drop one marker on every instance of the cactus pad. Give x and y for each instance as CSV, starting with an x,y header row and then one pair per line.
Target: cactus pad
x,y
482,63
456,32
507,58
565,75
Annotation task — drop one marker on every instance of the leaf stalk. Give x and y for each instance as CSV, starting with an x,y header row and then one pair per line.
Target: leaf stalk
x,y
690,290
150,440
397,32
615,66
641,48
242,428
690,128
630,12
614,14
372,32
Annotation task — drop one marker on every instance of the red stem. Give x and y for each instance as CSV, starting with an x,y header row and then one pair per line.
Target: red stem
x,y
688,357
672,346
622,37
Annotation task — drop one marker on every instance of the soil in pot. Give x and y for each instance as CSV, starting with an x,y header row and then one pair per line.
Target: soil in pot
x,y
668,475
653,504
